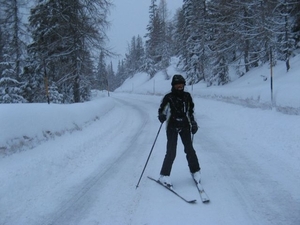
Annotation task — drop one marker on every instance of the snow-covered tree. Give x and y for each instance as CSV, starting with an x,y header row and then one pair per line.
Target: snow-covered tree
x,y
192,25
111,78
296,25
12,47
121,75
152,41
102,74
134,58
282,25
10,91
158,45
66,34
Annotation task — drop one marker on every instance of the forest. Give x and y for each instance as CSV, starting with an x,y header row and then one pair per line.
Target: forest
x,y
57,50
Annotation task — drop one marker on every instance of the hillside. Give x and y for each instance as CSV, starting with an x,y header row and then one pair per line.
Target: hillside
x,y
253,89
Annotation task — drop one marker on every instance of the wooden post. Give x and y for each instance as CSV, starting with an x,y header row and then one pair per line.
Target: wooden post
x,y
271,68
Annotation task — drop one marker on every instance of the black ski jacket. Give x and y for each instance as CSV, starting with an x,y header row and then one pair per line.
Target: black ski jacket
x,y
178,106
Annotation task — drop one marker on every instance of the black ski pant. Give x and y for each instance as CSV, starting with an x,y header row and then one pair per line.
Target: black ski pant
x,y
191,156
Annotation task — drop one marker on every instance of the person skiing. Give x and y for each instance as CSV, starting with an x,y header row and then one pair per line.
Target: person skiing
x,y
177,109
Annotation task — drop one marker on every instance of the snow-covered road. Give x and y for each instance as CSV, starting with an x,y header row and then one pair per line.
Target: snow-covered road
x,y
58,181
249,158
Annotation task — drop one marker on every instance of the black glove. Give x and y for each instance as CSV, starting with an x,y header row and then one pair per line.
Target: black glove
x,y
194,128
162,118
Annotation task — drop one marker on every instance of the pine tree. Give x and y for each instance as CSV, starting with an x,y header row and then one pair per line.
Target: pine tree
x,y
65,34
221,43
282,20
193,36
296,25
134,57
12,50
121,75
264,36
102,74
179,39
164,48
152,42
111,78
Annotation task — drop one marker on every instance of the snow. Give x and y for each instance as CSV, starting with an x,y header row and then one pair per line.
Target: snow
x,y
80,163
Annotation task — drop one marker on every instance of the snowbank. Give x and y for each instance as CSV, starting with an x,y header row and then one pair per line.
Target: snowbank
x,y
25,125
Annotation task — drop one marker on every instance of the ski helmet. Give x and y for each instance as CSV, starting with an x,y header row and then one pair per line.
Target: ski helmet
x,y
178,79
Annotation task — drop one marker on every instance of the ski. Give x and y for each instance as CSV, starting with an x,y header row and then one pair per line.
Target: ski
x,y
173,191
203,195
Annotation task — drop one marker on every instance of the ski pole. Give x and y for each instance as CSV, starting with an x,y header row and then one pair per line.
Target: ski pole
x,y
149,155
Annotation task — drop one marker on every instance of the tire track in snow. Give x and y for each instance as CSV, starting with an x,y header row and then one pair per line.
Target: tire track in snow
x,y
89,193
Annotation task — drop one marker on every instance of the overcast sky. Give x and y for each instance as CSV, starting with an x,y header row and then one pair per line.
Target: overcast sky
x,y
130,18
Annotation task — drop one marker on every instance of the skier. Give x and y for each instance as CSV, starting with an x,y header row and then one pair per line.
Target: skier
x,y
177,109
